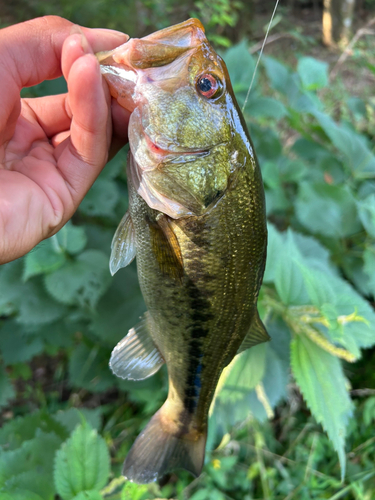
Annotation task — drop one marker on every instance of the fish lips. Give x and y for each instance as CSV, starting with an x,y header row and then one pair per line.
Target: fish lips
x,y
150,152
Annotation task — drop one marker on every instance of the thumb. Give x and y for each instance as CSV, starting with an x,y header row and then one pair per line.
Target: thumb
x,y
30,53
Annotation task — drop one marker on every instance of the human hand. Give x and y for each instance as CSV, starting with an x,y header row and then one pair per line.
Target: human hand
x,y
51,148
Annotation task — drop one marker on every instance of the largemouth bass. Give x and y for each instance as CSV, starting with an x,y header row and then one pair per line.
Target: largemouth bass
x,y
196,224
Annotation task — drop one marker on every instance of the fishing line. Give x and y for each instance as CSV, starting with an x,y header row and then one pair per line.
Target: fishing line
x,y
260,55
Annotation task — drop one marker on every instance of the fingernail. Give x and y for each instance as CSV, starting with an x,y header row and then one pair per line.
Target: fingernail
x,y
85,45
75,29
122,37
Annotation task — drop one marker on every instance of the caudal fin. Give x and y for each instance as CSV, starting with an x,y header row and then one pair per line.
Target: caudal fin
x,y
159,450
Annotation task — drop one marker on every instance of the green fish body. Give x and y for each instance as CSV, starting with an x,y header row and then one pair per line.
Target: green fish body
x,y
196,224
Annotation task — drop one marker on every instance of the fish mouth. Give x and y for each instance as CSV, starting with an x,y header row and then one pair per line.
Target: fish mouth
x,y
172,152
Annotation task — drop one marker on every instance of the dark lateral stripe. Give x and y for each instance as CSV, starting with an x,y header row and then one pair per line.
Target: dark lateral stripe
x,y
201,315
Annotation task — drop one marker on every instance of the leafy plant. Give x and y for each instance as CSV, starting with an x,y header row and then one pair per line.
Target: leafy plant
x,y
61,312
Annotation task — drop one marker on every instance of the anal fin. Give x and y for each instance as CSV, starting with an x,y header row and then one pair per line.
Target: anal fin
x,y
256,334
123,245
136,356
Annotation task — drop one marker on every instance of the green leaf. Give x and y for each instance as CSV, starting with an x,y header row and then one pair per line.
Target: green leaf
x,y
101,199
88,369
116,166
73,416
313,73
15,346
324,388
32,457
358,156
369,267
119,309
347,302
35,307
132,491
7,391
267,143
278,74
81,281
318,286
25,428
89,495
247,372
289,281
314,253
70,238
266,107
357,106
240,65
275,379
29,485
275,242
44,258
327,210
366,212
82,463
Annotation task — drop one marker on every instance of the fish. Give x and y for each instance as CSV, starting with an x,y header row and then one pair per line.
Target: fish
x,y
196,225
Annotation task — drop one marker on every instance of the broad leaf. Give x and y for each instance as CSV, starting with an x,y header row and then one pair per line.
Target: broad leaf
x,y
83,280
278,74
289,280
88,368
313,73
358,156
265,107
89,495
70,238
7,391
82,463
324,388
327,210
15,346
247,371
369,268
101,199
240,66
24,429
44,258
73,416
366,212
30,466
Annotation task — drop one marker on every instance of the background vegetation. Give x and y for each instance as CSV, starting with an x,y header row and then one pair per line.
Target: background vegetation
x,y
294,418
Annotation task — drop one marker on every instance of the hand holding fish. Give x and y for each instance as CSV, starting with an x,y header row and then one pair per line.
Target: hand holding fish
x,y
51,148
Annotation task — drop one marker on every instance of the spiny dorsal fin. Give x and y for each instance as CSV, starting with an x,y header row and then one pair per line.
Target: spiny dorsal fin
x,y
166,247
136,357
256,334
123,245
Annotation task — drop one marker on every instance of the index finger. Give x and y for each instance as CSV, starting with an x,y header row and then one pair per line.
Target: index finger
x,y
31,51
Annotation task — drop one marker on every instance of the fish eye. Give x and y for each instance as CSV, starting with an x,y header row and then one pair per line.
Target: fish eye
x,y
208,85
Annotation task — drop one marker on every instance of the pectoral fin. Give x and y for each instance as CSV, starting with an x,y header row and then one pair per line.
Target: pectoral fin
x,y
136,357
123,245
256,335
166,247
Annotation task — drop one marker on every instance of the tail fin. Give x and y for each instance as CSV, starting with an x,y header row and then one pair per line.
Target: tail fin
x,y
159,450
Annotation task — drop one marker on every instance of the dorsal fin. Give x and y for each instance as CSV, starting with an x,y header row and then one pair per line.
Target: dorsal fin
x,y
136,356
123,245
256,335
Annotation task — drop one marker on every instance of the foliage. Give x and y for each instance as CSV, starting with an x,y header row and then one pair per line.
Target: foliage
x,y
59,306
